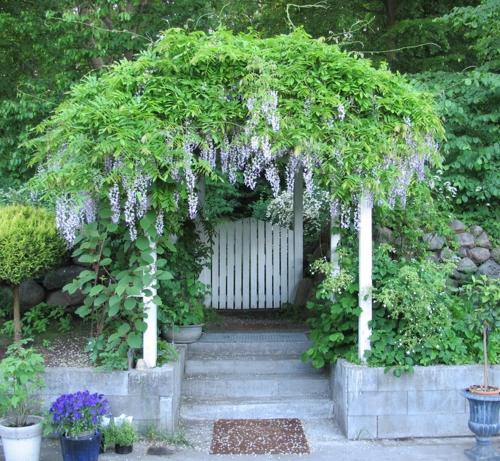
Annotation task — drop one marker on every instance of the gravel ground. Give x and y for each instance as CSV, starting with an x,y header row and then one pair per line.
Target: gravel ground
x,y
66,351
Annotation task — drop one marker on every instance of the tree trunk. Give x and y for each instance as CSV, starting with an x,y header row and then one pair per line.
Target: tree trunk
x,y
17,313
390,12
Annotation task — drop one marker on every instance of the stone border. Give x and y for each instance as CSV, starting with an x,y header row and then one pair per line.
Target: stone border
x,y
371,404
151,396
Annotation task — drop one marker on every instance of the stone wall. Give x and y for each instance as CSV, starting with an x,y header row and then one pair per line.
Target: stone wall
x,y
151,396
371,404
475,253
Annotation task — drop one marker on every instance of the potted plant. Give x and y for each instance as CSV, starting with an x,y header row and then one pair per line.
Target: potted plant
x,y
20,376
484,399
183,313
124,435
29,244
76,419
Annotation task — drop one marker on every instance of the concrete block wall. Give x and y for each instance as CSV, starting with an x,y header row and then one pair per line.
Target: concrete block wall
x,y
151,396
372,404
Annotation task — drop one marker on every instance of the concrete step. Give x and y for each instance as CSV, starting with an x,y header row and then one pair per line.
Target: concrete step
x,y
245,349
252,386
244,408
209,365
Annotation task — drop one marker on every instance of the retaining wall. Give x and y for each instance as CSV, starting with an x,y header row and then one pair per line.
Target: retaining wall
x,y
151,396
371,404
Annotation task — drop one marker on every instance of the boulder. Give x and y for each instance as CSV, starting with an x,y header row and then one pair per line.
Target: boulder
x,y
446,254
457,226
476,231
56,279
461,276
31,293
479,255
384,235
466,240
495,254
434,241
482,240
490,268
462,251
466,266
63,299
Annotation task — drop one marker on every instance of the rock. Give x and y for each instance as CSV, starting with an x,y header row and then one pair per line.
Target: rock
x,y
482,240
303,292
465,240
495,254
447,254
476,231
479,255
434,241
63,299
462,251
466,266
457,226
490,268
31,293
452,283
460,276
383,235
433,257
141,365
56,279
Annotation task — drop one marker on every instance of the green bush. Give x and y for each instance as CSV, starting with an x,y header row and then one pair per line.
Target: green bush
x,y
29,244
20,377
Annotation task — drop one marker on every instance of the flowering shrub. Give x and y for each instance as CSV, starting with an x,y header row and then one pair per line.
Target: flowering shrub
x,y
78,413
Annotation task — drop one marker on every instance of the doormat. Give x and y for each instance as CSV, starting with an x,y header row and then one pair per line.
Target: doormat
x,y
258,437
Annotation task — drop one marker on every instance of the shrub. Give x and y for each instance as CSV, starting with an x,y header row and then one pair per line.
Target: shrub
x,y
29,244
20,378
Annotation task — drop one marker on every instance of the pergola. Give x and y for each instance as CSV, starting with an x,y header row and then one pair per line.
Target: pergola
x,y
142,135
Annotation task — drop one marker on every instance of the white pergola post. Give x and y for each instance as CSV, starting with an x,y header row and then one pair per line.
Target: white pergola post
x,y
150,336
365,274
298,227
203,235
334,243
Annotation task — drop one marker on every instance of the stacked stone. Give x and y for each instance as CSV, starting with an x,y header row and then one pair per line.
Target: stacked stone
x,y
475,254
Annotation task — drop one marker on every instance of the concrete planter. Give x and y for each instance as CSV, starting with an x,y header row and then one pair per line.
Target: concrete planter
x,y
371,404
151,396
22,443
186,334
484,423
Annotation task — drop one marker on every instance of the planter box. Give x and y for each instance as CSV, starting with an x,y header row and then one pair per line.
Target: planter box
x,y
371,404
152,396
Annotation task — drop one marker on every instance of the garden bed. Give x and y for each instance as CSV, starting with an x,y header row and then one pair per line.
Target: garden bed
x,y
151,396
372,404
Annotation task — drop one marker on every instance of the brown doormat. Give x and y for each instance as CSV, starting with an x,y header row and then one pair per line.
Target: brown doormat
x,y
258,437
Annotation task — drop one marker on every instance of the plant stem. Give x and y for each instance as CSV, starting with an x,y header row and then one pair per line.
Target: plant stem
x,y
17,313
485,351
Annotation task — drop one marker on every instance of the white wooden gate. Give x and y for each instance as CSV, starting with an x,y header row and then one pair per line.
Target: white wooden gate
x,y
253,266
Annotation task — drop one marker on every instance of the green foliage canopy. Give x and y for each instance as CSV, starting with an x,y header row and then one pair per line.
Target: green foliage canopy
x,y
29,243
265,104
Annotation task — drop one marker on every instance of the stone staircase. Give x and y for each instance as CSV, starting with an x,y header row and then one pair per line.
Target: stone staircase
x,y
253,375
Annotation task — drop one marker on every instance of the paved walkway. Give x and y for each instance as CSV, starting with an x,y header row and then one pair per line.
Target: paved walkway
x,y
338,450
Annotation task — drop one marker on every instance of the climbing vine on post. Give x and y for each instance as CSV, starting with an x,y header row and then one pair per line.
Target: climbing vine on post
x,y
139,138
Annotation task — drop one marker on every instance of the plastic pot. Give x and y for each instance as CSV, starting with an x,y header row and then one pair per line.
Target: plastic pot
x,y
184,334
82,448
123,449
21,443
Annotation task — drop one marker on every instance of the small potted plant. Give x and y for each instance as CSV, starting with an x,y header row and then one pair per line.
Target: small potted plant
x,y
484,399
76,419
20,377
124,435
183,314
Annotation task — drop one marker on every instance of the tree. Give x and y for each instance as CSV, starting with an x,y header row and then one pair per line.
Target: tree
x,y
29,244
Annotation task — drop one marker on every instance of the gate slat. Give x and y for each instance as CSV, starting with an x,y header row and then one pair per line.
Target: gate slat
x,y
283,265
246,264
230,265
238,250
291,266
268,245
254,264
276,267
261,258
215,272
223,268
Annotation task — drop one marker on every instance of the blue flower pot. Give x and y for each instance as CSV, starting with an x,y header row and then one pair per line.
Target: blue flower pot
x,y
484,422
83,448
